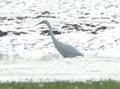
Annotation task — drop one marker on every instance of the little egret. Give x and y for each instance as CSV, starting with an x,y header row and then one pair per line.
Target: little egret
x,y
66,50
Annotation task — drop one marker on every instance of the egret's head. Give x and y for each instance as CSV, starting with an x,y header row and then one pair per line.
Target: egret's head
x,y
43,22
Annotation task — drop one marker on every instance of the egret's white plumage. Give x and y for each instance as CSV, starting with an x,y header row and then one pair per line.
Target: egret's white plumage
x,y
64,49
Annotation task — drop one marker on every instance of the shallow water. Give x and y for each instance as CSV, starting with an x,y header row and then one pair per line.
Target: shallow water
x,y
77,69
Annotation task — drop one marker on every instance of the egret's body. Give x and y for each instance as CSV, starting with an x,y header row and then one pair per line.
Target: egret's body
x,y
65,50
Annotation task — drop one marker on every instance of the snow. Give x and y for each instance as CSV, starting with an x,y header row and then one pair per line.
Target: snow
x,y
32,56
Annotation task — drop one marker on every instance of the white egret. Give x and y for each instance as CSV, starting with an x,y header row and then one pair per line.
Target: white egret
x,y
66,50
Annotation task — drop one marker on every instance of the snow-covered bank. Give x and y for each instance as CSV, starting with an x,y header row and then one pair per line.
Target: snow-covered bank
x,y
77,69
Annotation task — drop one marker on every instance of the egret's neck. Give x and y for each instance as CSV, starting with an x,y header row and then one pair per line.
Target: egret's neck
x,y
50,31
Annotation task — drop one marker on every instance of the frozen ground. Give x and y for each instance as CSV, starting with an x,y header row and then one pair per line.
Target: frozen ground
x,y
27,52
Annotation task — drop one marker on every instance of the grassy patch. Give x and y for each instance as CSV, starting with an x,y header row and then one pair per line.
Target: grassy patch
x,y
62,85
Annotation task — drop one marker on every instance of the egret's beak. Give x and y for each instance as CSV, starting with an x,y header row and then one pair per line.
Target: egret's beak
x,y
39,23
